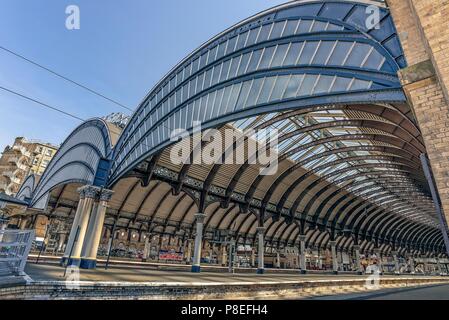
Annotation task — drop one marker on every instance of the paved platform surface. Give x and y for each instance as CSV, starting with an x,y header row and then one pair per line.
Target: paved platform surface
x,y
431,292
43,272
132,282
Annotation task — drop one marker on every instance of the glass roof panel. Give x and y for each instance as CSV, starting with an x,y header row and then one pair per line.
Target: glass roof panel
x,y
373,179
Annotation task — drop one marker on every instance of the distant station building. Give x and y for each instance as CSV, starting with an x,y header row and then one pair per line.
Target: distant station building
x,y
357,106
23,158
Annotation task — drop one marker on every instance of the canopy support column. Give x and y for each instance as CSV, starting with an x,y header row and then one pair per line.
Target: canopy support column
x,y
334,256
89,260
74,250
261,250
358,264
196,266
74,229
302,254
396,262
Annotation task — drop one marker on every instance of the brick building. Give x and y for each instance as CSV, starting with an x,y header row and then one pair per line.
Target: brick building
x,y
23,158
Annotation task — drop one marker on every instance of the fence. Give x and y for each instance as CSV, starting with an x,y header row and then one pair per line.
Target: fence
x,y
14,248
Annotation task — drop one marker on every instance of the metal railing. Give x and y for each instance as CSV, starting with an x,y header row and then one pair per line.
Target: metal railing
x,y
14,248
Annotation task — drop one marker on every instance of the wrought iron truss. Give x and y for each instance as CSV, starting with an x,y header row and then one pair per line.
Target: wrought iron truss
x,y
349,147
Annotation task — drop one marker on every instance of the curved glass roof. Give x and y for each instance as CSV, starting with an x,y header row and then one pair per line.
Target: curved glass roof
x,y
297,55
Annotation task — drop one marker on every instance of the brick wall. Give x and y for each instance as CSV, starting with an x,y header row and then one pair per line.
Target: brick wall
x,y
409,33
432,113
433,16
423,26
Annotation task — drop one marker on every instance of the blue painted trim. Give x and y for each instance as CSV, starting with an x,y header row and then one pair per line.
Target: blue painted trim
x,y
73,262
88,263
196,268
103,166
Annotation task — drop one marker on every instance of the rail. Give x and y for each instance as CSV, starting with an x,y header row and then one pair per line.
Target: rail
x,y
14,249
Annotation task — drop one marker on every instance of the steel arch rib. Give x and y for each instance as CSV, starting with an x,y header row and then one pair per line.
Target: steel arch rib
x,y
299,164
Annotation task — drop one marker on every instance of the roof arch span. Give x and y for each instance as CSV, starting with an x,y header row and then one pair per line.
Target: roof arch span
x,y
76,161
297,55
27,188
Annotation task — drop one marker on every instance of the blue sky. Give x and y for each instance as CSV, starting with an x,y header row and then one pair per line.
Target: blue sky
x,y
121,50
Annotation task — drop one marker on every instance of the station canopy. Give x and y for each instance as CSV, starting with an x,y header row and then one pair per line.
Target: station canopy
x,y
348,146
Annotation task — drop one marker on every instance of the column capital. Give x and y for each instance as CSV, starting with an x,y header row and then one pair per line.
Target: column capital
x,y
333,243
260,229
82,194
199,217
88,191
356,247
106,195
302,238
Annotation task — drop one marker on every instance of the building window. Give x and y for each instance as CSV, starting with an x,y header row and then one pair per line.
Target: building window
x,y
44,163
35,161
49,152
40,149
